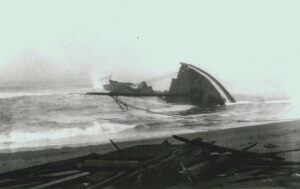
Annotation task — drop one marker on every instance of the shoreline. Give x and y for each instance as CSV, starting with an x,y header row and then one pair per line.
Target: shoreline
x,y
284,135
95,144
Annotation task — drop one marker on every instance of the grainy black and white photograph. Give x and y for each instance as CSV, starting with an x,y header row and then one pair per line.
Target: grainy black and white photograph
x,y
149,94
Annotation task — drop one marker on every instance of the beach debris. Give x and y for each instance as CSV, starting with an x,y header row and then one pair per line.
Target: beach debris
x,y
96,164
269,145
115,145
221,149
296,175
101,175
192,164
62,180
57,174
109,180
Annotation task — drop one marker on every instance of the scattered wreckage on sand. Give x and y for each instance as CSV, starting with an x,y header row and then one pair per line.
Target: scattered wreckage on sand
x,y
191,164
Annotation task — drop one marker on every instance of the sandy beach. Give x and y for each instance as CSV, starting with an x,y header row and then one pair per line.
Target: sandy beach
x,y
279,135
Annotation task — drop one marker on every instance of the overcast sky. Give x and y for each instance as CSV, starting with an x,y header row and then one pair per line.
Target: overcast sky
x,y
248,45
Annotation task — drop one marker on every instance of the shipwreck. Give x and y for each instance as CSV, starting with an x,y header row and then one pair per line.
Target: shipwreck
x,y
128,88
198,86
192,85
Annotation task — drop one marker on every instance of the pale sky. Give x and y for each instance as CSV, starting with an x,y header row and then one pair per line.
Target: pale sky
x,y
250,46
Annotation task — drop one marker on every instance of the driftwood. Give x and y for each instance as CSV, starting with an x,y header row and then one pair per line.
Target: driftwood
x,y
21,185
58,174
100,175
115,145
18,183
62,180
205,166
110,164
270,166
220,149
140,153
157,166
108,180
135,173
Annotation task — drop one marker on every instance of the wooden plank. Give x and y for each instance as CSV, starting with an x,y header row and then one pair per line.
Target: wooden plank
x,y
61,173
206,145
144,164
216,148
21,186
270,166
249,147
111,164
62,180
101,175
124,175
109,180
207,165
138,152
115,145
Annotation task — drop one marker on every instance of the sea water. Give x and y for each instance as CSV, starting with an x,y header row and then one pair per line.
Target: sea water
x,y
32,119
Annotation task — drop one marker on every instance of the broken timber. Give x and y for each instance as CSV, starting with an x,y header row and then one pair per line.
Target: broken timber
x,y
66,179
115,145
153,166
136,94
213,147
110,164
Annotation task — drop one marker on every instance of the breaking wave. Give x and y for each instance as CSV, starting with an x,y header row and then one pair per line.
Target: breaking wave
x,y
58,118
52,137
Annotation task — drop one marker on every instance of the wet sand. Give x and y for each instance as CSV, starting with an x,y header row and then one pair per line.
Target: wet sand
x,y
270,137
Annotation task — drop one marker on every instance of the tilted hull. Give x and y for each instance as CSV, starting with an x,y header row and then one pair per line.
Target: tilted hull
x,y
199,87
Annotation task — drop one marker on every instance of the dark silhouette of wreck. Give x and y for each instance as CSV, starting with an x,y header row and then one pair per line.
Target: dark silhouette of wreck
x,y
128,88
192,85
198,86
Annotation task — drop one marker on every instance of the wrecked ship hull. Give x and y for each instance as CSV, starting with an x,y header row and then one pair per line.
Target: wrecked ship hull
x,y
199,87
